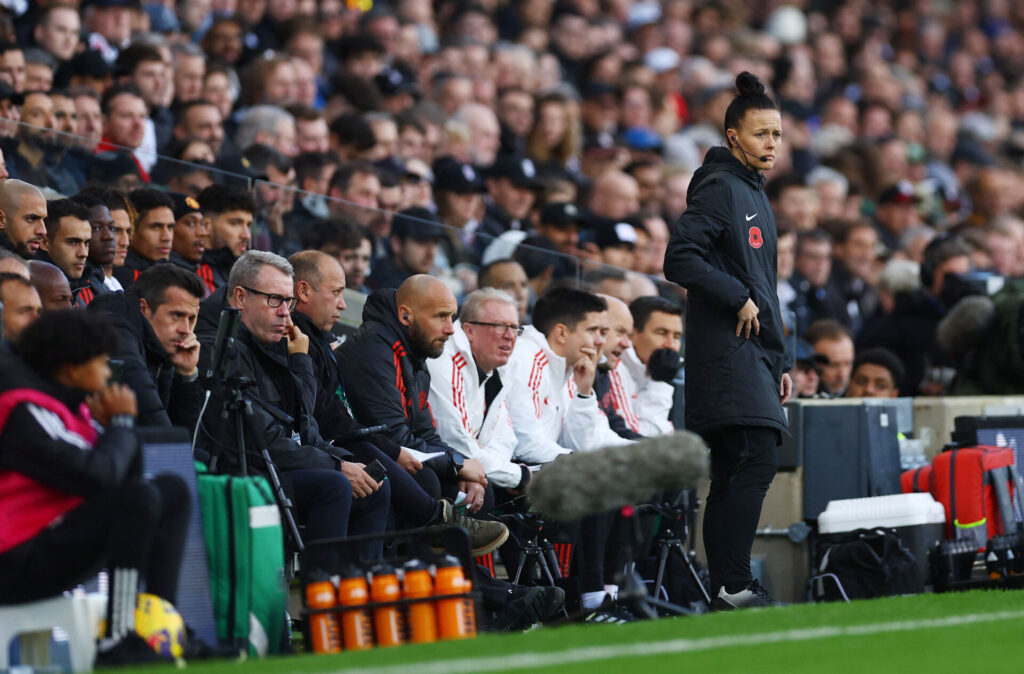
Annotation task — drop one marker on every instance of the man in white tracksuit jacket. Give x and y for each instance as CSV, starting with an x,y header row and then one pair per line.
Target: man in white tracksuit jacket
x,y
473,369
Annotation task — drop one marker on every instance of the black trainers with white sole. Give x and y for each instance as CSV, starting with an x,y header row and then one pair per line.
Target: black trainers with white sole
x,y
752,596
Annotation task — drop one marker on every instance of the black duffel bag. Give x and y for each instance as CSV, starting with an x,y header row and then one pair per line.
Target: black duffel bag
x,y
867,563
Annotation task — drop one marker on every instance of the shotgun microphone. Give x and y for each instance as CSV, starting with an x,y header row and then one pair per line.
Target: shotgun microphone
x,y
590,483
361,433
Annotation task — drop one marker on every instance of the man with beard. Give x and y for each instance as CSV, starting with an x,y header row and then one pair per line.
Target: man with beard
x,y
38,158
153,233
414,236
22,217
401,330
228,214
68,234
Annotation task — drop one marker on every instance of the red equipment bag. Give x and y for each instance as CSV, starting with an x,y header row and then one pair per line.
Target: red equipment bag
x,y
916,480
975,485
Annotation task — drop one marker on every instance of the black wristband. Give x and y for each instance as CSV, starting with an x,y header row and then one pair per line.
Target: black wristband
x,y
525,479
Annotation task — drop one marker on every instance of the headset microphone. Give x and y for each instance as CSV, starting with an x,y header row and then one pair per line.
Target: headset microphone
x,y
762,158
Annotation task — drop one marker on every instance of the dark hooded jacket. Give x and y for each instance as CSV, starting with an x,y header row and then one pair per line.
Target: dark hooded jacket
x,y
134,264
723,251
90,286
216,266
276,377
329,410
165,398
387,384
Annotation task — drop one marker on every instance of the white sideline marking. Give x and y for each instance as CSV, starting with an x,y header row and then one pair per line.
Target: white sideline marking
x,y
592,653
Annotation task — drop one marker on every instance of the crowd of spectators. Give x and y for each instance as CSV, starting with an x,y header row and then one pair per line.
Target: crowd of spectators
x,y
520,147
525,129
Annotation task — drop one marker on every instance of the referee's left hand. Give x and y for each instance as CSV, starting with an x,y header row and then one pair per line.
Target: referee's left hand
x,y
785,388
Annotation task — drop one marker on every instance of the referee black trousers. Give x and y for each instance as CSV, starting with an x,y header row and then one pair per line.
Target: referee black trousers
x,y
743,464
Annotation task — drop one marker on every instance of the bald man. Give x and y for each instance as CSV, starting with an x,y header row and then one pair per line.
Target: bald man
x,y
12,263
401,330
22,217
52,285
611,396
616,195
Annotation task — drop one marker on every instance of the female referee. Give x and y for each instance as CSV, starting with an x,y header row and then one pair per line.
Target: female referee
x,y
722,251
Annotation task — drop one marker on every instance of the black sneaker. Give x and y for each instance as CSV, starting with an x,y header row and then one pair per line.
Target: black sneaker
x,y
131,650
484,535
611,613
550,603
752,596
521,612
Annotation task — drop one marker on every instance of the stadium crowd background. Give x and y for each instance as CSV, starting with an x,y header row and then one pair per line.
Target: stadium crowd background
x,y
527,145
906,117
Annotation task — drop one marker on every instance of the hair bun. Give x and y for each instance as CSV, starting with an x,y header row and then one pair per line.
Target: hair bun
x,y
748,84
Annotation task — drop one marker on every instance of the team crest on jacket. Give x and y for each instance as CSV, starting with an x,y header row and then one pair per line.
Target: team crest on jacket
x,y
754,237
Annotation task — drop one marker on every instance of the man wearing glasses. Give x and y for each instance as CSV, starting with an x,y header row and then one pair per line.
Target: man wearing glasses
x,y
333,495
468,392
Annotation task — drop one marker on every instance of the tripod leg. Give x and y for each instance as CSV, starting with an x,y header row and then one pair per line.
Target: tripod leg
x,y
519,566
662,564
688,562
545,568
552,560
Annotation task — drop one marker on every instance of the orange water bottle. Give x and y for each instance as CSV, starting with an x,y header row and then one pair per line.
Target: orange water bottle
x,y
323,627
422,619
456,618
387,620
356,626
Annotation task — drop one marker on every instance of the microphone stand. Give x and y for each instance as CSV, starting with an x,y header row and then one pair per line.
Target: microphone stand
x,y
669,542
238,404
633,594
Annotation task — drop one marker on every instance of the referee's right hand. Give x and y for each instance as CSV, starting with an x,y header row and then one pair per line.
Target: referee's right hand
x,y
748,320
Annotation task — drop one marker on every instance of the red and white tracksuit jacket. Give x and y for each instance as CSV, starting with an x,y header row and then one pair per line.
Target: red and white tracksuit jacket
x,y
547,416
645,404
457,399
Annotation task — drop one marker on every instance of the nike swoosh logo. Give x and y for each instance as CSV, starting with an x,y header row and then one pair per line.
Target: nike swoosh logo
x,y
750,217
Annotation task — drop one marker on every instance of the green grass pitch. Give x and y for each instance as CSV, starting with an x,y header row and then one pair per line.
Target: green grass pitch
x,y
957,632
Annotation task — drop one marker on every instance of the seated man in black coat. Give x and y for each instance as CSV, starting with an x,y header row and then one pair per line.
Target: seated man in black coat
x,y
401,329
319,282
332,494
155,320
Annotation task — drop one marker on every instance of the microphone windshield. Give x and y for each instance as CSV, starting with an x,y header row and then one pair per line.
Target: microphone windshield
x,y
590,483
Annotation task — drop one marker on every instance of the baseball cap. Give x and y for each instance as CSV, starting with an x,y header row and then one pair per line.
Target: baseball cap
x,y
517,168
560,214
184,205
418,223
898,193
596,89
392,81
451,175
610,233
641,138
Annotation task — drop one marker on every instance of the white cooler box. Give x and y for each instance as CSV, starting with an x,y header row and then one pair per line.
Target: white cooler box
x,y
919,520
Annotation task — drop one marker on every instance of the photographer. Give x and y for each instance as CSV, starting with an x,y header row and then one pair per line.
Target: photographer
x,y
74,498
333,496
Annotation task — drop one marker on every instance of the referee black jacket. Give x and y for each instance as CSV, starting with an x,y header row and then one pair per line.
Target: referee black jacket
x,y
723,251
